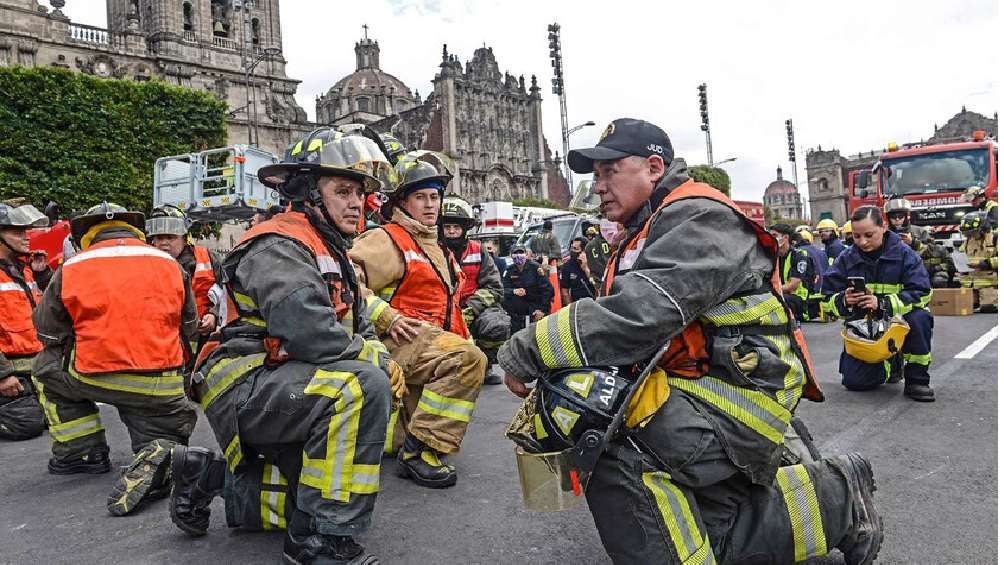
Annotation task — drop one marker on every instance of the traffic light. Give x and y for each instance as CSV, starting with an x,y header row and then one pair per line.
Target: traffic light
x,y
791,139
702,97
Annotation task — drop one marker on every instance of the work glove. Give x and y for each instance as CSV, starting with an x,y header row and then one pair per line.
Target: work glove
x,y
468,316
398,388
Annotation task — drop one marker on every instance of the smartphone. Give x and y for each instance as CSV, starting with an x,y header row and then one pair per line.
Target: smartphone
x,y
857,283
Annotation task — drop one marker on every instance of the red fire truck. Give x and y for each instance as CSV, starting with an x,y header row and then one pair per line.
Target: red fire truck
x,y
932,176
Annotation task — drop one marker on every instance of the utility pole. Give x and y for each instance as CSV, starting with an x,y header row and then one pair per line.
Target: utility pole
x,y
558,88
791,149
702,99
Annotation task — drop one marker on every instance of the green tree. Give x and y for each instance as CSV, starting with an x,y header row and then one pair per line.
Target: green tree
x,y
713,176
536,203
77,139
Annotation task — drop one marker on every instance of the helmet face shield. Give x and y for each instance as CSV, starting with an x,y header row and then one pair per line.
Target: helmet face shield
x,y
166,225
26,216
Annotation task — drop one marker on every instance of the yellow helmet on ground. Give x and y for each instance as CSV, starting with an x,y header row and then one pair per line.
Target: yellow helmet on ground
x,y
874,341
827,224
846,229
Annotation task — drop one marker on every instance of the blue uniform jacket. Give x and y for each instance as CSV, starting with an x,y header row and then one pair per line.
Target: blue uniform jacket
x,y
834,248
819,264
898,277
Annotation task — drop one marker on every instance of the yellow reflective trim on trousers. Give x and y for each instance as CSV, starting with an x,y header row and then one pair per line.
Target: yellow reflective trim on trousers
x,y
803,512
370,352
897,306
253,320
830,305
755,409
555,341
78,428
376,308
21,364
924,359
233,453
452,408
883,288
164,384
691,546
273,502
388,443
224,373
336,470
48,407
925,300
365,478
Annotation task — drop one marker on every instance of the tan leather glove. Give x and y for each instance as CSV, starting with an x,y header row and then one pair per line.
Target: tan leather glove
x,y
397,386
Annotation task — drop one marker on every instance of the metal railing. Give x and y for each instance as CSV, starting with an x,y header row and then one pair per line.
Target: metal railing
x,y
89,34
189,36
225,43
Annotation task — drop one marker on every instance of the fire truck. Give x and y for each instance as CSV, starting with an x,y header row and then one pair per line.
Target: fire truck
x,y
933,177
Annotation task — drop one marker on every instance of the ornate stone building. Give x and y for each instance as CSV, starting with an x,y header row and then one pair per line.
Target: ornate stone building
x,y
828,170
487,121
199,44
782,199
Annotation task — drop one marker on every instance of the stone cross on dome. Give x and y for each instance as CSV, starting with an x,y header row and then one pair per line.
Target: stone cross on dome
x,y
366,30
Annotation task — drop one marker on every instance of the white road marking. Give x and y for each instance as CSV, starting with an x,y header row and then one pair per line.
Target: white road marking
x,y
978,345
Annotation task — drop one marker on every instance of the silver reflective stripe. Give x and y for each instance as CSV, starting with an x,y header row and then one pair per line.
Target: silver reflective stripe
x,y
472,258
631,255
203,267
119,251
328,265
678,515
410,256
10,287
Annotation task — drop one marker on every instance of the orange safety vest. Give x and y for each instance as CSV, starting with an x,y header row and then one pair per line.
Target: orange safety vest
x,y
203,280
422,292
17,331
125,299
687,355
470,265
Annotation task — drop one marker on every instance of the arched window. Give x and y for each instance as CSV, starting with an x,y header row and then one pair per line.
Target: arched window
x,y
824,185
255,38
186,13
363,104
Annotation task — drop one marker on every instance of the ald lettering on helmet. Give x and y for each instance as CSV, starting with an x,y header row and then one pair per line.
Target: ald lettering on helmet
x,y
607,393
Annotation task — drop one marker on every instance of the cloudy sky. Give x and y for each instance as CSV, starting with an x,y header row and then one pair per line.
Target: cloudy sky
x,y
853,75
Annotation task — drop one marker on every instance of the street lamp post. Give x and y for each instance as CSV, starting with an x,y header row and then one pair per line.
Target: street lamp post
x,y
722,162
251,106
558,88
702,101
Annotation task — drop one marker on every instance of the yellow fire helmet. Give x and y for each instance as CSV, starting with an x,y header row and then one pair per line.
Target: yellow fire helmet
x,y
889,335
827,224
846,229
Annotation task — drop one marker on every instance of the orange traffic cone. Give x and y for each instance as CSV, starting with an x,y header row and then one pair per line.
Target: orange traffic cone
x,y
556,285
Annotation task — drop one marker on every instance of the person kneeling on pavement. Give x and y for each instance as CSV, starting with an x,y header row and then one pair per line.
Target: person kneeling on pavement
x,y
20,413
896,285
481,289
297,389
694,477
422,323
113,322
797,270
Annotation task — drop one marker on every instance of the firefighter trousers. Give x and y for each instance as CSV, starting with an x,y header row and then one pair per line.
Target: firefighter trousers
x,y
984,285
302,441
21,416
151,407
444,373
858,375
689,503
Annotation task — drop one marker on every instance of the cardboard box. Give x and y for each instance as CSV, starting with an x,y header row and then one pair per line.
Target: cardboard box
x,y
952,302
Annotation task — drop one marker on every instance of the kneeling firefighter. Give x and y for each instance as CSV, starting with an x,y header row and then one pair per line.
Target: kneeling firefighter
x,y
297,389
481,289
693,475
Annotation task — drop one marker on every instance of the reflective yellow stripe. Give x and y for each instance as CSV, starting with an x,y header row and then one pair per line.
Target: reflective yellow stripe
x,y
452,408
244,300
388,444
753,408
225,373
273,500
334,475
555,340
233,453
897,306
376,308
21,364
253,320
386,293
165,384
803,512
924,359
51,415
882,288
744,310
370,353
69,431
925,300
692,545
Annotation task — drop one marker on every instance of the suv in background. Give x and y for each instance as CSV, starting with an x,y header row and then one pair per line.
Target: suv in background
x,y
566,228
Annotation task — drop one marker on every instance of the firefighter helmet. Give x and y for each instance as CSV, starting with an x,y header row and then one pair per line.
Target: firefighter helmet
x,y
104,212
168,220
898,205
326,151
972,192
24,216
874,341
458,211
805,234
974,222
421,169
395,149
846,229
827,224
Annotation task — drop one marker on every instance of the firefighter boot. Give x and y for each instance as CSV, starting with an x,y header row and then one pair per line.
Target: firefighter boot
x,y
304,546
862,543
420,463
147,478
96,461
198,476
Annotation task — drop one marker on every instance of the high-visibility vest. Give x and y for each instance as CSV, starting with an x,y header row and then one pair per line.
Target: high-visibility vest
x,y
17,299
126,300
688,356
296,226
470,265
801,290
203,280
422,292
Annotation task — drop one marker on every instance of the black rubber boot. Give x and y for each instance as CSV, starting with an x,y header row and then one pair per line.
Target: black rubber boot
x,y
421,463
146,479
96,461
303,546
198,475
493,376
919,392
862,543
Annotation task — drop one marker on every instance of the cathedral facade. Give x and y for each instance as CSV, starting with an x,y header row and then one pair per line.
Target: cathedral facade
x,y
231,49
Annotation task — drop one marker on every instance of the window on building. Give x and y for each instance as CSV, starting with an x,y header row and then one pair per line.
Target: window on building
x,y
221,15
824,185
255,31
186,14
4,57
363,104
26,58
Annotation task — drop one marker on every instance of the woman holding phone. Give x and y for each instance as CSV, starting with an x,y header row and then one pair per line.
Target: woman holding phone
x,y
895,283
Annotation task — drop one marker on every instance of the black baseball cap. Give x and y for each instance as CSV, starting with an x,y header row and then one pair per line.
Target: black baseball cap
x,y
621,138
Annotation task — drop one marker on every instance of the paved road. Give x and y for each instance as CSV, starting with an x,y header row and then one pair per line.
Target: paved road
x,y
936,467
